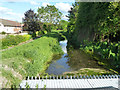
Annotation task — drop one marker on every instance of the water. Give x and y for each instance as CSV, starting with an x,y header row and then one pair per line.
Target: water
x,y
72,60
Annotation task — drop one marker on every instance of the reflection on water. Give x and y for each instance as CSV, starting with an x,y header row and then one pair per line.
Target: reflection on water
x,y
78,59
70,61
59,66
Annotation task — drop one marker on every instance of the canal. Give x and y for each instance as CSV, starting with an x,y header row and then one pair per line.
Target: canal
x,y
71,60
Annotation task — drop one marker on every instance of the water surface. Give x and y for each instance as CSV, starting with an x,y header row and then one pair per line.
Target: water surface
x,y
71,60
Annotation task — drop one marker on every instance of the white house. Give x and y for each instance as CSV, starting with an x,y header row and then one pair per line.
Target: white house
x,y
9,26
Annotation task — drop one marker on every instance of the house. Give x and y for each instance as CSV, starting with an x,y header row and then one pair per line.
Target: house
x,y
9,26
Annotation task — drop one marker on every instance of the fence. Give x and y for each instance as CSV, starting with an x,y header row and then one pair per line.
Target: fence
x,y
74,82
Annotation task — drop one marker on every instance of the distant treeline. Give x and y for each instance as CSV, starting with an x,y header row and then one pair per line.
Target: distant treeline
x,y
46,19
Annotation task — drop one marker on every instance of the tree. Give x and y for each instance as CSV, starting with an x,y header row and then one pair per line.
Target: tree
x,y
49,14
31,22
72,15
63,25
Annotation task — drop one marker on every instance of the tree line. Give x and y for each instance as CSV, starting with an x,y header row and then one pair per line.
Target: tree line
x,y
46,19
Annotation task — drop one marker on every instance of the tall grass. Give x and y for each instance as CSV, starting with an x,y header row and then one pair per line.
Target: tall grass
x,y
10,40
32,58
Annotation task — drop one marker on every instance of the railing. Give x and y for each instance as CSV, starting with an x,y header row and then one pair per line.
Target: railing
x,y
74,77
110,82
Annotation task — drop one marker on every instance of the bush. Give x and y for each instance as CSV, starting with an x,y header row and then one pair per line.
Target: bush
x,y
44,32
107,51
3,32
40,33
14,40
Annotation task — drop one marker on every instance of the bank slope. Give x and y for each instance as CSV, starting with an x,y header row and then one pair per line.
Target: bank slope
x,y
29,59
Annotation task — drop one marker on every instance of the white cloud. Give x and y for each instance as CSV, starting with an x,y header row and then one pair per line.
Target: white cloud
x,y
4,10
7,13
64,7
34,3
45,4
16,0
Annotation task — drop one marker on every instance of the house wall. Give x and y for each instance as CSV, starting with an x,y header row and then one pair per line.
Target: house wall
x,y
9,29
1,27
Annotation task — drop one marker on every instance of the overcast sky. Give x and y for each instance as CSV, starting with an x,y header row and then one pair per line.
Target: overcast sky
x,y
15,9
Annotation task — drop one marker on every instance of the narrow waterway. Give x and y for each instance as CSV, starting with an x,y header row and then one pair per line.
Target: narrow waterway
x,y
71,60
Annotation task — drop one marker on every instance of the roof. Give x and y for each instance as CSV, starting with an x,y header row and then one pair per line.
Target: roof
x,y
9,23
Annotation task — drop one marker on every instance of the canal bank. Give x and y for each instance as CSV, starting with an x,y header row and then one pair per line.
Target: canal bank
x,y
75,62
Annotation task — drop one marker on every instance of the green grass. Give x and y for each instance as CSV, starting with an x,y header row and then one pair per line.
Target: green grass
x,y
32,58
90,71
12,80
11,40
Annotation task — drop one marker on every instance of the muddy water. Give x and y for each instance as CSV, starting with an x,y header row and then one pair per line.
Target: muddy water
x,y
72,60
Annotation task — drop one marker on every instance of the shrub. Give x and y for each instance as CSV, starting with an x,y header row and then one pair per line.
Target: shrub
x,y
14,40
40,33
44,32
3,32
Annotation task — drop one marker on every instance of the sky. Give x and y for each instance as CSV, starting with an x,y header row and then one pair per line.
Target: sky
x,y
15,9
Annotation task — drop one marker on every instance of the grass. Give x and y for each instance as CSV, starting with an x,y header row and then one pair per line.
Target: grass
x,y
32,58
89,71
12,79
11,40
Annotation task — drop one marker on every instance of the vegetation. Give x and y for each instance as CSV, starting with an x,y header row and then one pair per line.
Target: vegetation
x,y
10,40
3,32
96,29
93,27
46,19
32,58
88,71
31,22
72,20
49,14
62,25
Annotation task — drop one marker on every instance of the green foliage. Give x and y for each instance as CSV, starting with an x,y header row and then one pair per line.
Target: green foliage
x,y
3,32
62,25
95,21
32,57
49,14
96,29
11,79
10,40
44,32
72,20
40,33
27,86
31,22
108,51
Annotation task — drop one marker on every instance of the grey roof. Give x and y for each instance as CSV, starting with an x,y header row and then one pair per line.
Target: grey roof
x,y
9,23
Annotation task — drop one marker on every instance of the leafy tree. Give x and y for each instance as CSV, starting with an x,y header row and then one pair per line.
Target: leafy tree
x,y
72,19
49,15
31,22
62,24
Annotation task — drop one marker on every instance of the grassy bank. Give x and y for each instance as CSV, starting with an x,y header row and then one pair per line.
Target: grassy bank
x,y
11,40
29,59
